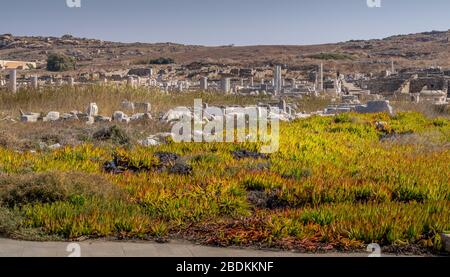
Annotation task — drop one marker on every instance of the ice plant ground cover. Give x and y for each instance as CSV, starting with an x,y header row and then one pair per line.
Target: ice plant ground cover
x,y
336,183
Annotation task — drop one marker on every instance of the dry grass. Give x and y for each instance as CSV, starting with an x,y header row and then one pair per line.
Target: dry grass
x,y
108,98
427,109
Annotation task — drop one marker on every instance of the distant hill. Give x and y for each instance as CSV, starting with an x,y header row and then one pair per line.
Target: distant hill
x,y
413,50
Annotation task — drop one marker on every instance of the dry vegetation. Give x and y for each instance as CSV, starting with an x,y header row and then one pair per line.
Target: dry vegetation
x,y
413,50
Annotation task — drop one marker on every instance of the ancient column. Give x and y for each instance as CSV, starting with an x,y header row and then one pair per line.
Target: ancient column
x,y
13,80
70,81
34,82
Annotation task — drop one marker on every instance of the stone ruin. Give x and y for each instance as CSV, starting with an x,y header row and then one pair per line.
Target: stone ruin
x,y
376,106
90,116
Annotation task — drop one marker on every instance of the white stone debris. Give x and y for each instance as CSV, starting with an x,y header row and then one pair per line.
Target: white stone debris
x,y
70,116
89,120
92,109
176,114
127,105
29,117
120,116
51,116
150,141
54,146
154,140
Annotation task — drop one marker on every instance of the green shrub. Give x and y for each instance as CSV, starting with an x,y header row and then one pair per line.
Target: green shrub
x,y
162,60
332,56
60,62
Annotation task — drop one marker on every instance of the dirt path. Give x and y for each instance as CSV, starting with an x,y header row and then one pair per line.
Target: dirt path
x,y
13,248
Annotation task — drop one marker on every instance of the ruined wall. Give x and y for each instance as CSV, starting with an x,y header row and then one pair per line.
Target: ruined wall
x,y
430,82
385,87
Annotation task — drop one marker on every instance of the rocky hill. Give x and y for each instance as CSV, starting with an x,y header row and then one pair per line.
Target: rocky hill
x,y
413,50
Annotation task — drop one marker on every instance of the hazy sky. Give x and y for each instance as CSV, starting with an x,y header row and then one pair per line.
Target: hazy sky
x,y
219,22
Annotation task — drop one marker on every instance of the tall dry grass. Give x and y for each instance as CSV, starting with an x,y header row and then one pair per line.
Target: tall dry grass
x,y
108,98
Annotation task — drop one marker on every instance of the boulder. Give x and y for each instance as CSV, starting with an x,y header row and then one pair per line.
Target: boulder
x,y
30,117
51,116
69,116
377,106
119,116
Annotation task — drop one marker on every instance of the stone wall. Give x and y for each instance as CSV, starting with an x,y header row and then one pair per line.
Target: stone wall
x,y
431,83
385,87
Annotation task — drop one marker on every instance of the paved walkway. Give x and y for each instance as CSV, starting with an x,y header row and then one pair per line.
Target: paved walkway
x,y
13,248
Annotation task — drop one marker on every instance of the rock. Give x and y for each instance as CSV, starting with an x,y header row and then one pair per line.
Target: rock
x,y
54,146
163,137
177,114
120,117
69,116
143,107
30,117
167,158
181,169
377,106
150,141
127,105
381,126
242,154
100,118
446,242
42,145
92,109
90,120
142,72
51,116
137,116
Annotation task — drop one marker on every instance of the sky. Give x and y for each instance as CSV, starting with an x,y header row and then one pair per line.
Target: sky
x,y
224,22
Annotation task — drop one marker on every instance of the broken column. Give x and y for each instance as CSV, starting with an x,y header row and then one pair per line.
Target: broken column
x,y
34,82
130,81
92,109
225,85
282,105
70,81
13,80
204,83
321,78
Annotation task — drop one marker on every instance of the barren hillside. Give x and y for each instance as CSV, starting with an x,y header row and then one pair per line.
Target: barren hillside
x,y
413,50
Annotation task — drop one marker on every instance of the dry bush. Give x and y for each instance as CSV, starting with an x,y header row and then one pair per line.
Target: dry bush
x,y
427,109
50,187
